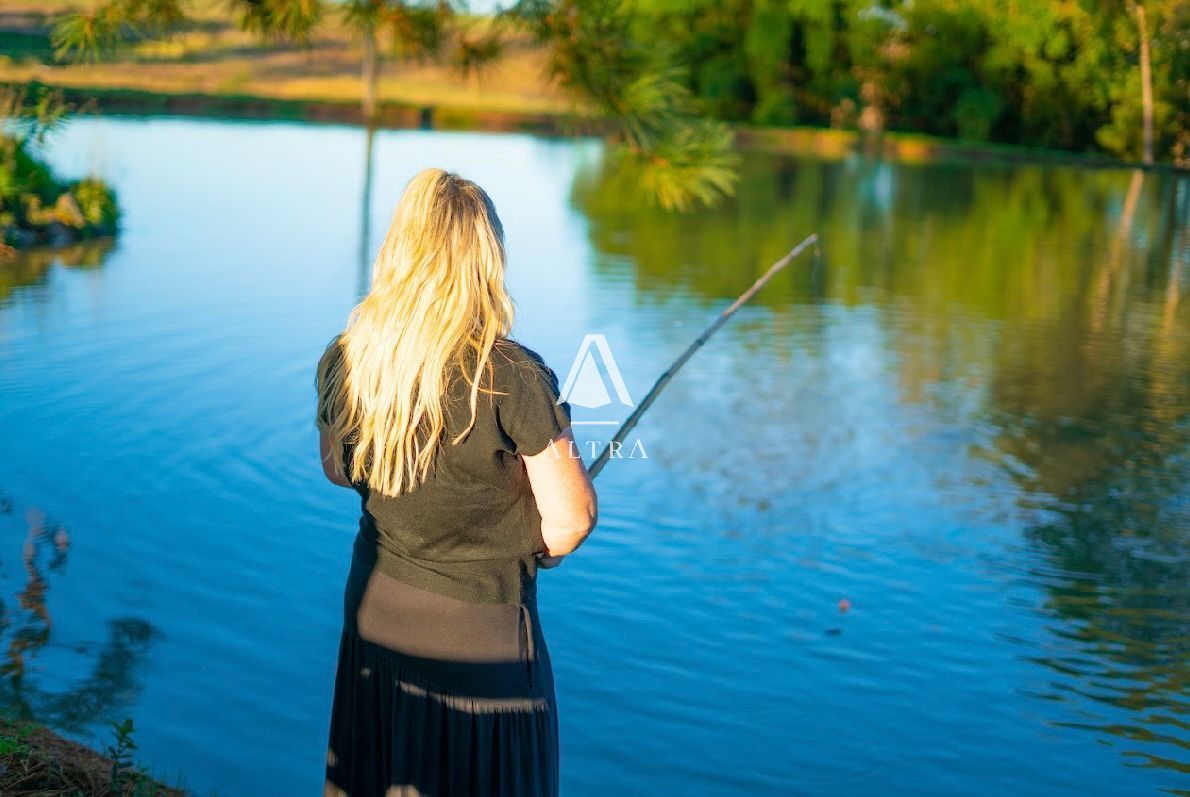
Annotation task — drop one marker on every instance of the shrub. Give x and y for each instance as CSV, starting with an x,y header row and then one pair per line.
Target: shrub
x,y
35,207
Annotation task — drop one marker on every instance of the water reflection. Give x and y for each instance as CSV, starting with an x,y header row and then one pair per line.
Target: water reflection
x,y
1093,427
1050,300
365,215
1010,243
34,632
27,629
29,267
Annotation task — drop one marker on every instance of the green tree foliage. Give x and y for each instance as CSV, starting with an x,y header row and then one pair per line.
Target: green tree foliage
x,y
280,20
1057,73
91,34
36,207
766,45
87,35
676,154
1167,25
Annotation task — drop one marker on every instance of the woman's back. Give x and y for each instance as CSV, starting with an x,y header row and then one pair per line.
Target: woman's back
x,y
472,530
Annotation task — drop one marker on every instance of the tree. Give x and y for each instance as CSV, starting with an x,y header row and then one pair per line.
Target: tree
x,y
415,28
406,28
110,24
1156,31
1146,82
677,155
1113,12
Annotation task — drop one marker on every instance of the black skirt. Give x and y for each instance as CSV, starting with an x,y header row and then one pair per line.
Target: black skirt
x,y
434,696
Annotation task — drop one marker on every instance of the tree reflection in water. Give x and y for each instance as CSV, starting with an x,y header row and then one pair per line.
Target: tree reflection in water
x,y
1081,372
27,268
26,629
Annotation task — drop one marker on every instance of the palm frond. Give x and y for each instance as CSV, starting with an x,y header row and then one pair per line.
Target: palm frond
x,y
88,35
154,16
693,166
417,31
679,158
281,20
473,56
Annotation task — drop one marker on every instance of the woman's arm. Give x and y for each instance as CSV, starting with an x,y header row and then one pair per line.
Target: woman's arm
x,y
565,495
328,462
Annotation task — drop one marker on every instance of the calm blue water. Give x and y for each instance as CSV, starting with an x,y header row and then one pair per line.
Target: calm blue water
x,y
969,418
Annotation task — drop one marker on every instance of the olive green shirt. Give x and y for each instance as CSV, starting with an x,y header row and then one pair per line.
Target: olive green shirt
x,y
472,529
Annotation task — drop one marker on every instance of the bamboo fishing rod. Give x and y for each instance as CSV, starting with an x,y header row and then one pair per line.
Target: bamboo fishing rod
x,y
669,373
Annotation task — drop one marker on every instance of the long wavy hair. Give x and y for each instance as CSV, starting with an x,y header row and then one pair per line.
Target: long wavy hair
x,y
437,304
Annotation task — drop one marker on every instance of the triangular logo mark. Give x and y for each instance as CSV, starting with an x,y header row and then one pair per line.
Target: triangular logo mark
x,y
588,389
584,385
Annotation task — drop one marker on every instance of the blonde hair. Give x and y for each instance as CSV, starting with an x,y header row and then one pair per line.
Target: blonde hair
x,y
437,300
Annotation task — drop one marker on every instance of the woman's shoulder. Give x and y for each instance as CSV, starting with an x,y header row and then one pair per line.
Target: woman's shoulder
x,y
518,367
528,406
514,351
511,353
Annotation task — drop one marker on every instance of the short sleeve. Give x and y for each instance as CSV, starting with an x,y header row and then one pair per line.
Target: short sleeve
x,y
530,412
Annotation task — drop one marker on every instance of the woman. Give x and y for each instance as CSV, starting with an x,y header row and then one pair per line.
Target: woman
x,y
455,439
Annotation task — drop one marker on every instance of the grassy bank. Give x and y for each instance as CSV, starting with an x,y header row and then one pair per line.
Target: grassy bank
x,y
215,58
35,760
824,143
390,114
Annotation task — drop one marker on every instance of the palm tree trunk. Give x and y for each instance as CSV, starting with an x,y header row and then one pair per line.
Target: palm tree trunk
x,y
1146,83
368,73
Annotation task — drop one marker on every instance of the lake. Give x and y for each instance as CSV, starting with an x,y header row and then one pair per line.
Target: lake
x,y
916,521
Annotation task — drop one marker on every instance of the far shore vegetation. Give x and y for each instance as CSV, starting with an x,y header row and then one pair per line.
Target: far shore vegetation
x,y
676,85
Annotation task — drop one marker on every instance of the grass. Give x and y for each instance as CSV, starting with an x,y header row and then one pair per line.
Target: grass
x,y
35,760
215,58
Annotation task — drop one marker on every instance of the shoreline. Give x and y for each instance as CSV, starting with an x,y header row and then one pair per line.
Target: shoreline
x,y
211,68
35,758
826,143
